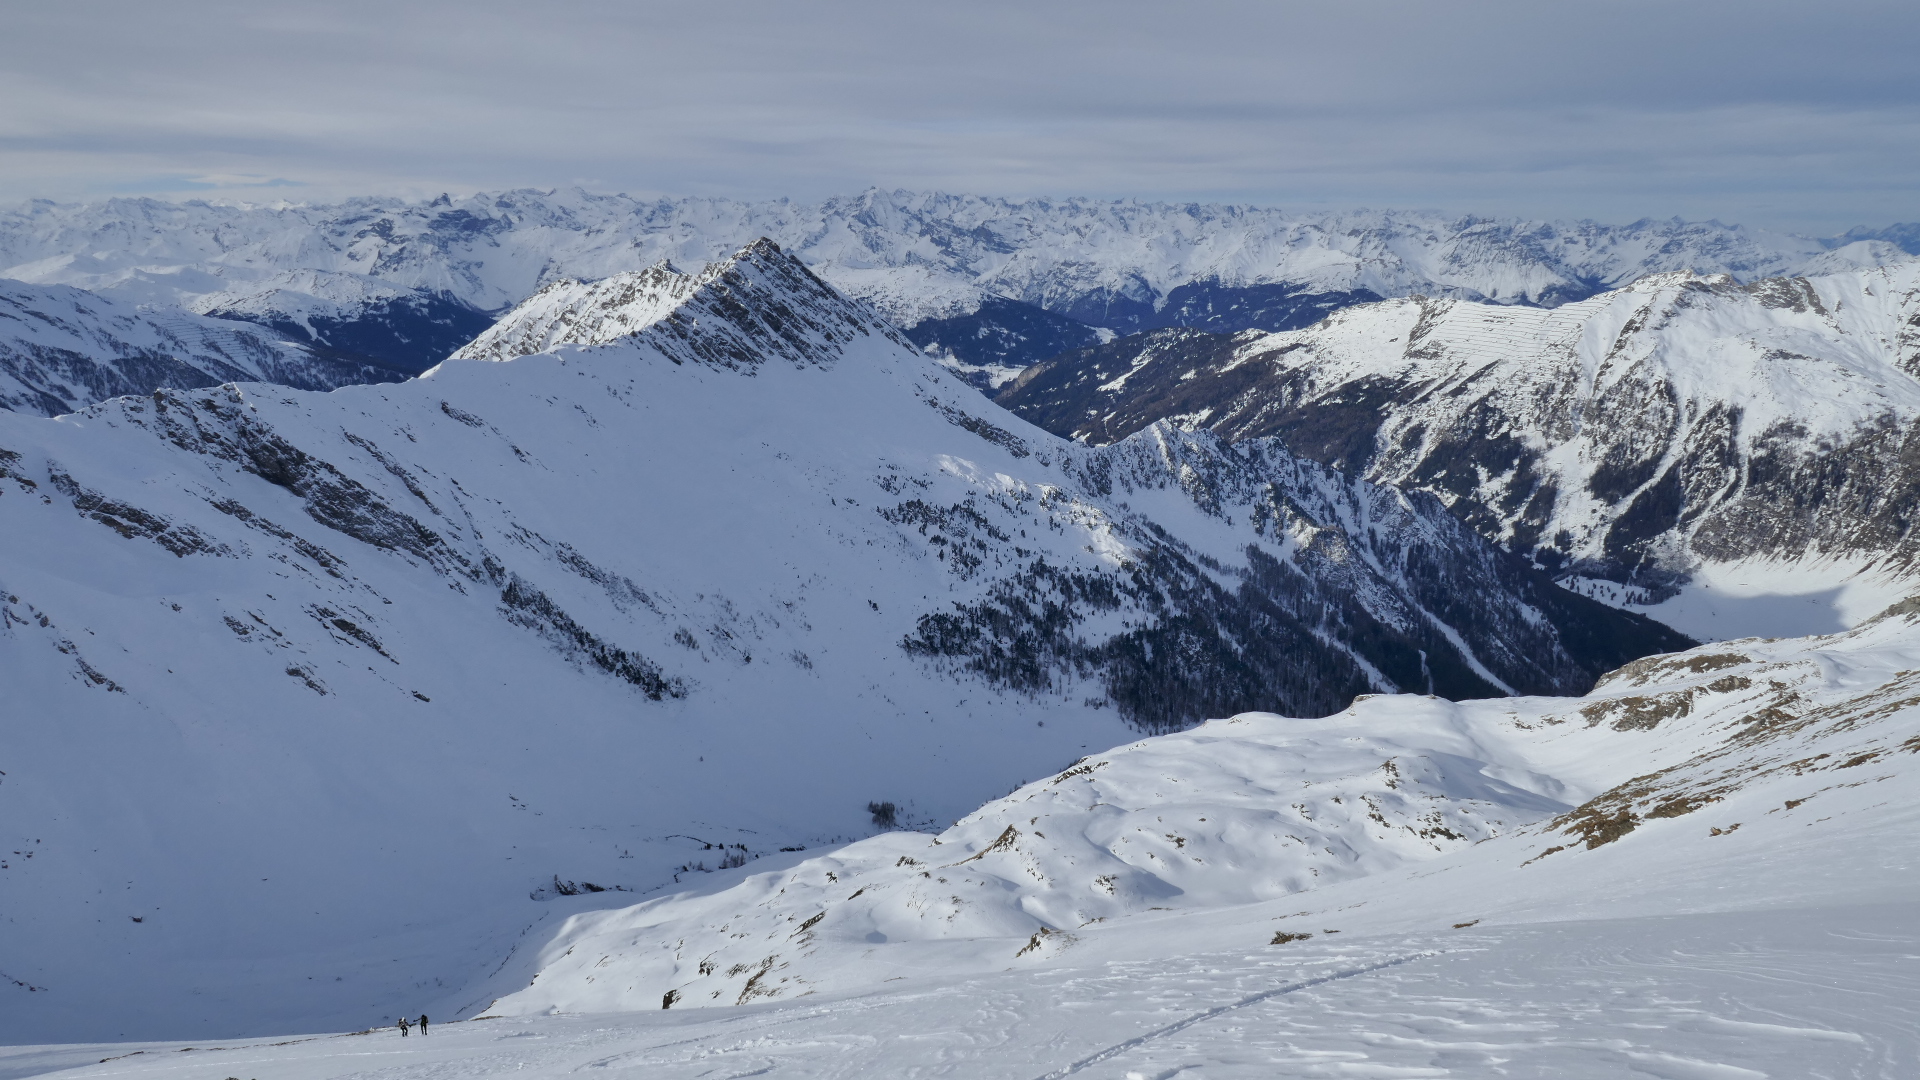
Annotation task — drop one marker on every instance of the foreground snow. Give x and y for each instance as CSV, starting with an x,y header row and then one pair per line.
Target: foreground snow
x,y
1789,992
1726,891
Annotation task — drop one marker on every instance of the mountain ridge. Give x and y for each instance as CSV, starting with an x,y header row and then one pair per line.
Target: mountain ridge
x,y
1628,439
927,261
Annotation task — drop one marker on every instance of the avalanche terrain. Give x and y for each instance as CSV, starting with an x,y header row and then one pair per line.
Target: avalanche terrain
x,y
320,703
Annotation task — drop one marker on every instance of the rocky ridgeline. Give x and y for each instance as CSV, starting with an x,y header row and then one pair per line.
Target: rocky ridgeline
x,y
1413,600
757,306
1627,436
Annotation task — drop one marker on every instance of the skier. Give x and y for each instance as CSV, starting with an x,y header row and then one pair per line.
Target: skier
x,y
423,1023
403,1027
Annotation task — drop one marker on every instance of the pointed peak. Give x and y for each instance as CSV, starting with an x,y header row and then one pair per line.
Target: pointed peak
x,y
758,304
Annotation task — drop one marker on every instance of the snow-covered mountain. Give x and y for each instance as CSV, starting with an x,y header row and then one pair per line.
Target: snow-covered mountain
x,y
62,349
680,570
1684,431
1760,773
407,330
988,284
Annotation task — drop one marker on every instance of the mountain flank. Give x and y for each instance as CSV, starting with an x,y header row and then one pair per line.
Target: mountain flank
x,y
1629,438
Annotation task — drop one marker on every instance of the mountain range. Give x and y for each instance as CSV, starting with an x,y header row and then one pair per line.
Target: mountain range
x,y
988,285
463,606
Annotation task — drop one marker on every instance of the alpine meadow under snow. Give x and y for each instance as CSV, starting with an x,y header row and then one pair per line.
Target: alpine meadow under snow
x,y
694,674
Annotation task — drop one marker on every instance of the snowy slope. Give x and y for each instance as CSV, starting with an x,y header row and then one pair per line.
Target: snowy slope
x,y
1744,909
917,257
62,349
1752,776
1682,428
317,701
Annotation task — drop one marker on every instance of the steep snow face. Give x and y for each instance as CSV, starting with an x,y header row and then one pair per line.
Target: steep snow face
x,y
62,349
1633,438
1757,774
914,256
370,682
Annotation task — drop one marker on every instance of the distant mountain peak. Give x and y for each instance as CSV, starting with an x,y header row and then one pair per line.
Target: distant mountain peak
x,y
760,303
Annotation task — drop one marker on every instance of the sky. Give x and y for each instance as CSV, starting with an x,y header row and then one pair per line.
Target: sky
x,y
1790,115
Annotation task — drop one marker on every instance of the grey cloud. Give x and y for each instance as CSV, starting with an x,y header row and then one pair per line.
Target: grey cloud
x,y
1784,114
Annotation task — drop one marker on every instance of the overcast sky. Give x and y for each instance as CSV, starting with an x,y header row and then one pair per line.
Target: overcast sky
x,y
1800,115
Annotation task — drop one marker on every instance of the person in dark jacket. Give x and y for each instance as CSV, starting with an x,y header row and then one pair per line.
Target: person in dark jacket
x,y
423,1023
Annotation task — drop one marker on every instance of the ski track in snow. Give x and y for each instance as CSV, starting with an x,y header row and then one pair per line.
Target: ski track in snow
x,y
1220,1010
1788,993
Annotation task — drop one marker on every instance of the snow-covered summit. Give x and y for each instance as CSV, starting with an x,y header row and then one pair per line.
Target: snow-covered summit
x,y
759,304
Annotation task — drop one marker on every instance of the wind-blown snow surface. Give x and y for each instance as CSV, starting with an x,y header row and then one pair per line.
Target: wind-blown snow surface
x,y
62,349
1755,436
315,702
1732,897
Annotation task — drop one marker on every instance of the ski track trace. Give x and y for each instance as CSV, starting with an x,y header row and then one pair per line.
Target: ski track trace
x,y
1793,993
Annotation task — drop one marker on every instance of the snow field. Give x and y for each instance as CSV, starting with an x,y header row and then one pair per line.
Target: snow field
x,y
1789,993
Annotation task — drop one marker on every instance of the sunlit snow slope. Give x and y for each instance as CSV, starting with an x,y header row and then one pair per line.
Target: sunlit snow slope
x,y
316,702
1747,777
